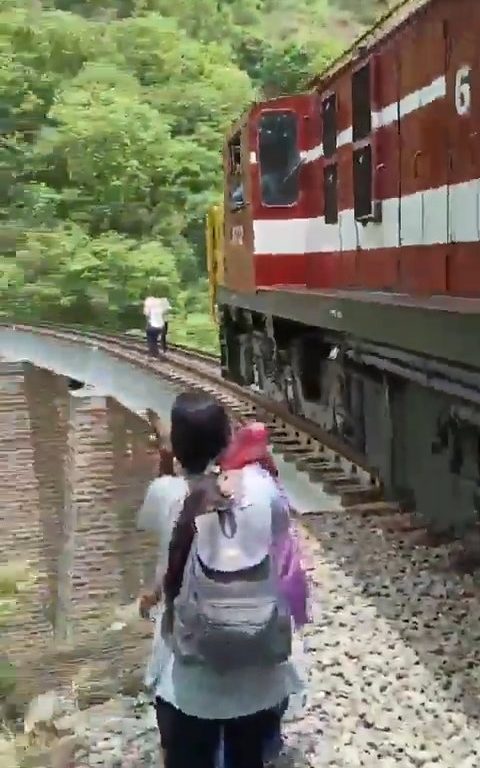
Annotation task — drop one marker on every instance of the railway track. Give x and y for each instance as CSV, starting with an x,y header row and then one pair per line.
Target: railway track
x,y
341,473
134,337
392,653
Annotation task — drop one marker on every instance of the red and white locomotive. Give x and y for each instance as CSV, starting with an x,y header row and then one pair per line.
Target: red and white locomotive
x,y
350,282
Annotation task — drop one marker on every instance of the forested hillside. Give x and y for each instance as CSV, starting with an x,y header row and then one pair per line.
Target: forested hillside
x,y
112,114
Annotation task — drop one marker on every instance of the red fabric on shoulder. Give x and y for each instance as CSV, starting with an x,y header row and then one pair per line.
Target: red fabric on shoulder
x,y
249,445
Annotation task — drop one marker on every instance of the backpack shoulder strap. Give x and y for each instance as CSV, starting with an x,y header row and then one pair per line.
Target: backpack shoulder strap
x,y
204,495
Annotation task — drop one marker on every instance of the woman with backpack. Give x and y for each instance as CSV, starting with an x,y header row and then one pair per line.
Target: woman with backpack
x,y
220,657
249,446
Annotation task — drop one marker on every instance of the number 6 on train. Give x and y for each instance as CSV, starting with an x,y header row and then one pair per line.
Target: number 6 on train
x,y
463,91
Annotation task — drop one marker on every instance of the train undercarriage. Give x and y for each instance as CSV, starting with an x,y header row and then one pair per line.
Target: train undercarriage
x,y
414,419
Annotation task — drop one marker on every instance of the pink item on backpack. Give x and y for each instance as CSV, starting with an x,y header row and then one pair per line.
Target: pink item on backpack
x,y
293,580
249,445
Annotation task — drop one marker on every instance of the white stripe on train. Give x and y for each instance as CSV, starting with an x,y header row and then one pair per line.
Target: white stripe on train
x,y
448,214
389,115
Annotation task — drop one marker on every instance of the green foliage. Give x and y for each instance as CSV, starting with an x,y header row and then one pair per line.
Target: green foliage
x,y
368,12
16,578
10,576
8,678
111,127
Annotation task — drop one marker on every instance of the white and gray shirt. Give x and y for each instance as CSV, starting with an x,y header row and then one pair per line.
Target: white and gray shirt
x,y
194,689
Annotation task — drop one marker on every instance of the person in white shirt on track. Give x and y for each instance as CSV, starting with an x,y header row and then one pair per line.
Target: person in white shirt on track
x,y
156,312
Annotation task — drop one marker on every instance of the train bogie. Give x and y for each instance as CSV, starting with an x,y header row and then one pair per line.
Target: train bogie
x,y
414,423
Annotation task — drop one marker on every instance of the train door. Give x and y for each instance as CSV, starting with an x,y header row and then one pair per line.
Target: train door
x,y
238,223
423,154
375,168
463,99
281,189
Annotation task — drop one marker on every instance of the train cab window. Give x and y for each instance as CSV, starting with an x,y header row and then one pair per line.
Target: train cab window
x,y
235,181
329,122
330,193
361,103
362,182
279,158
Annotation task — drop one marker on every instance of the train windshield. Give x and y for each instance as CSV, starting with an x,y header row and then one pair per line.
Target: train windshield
x,y
279,158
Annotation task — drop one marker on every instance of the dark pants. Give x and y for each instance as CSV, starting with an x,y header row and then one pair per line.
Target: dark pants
x,y
272,737
191,742
152,340
153,335
164,337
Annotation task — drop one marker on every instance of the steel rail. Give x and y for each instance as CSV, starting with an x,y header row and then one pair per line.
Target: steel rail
x,y
205,374
326,460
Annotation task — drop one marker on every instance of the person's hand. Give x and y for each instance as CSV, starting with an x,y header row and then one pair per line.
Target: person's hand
x,y
159,430
147,602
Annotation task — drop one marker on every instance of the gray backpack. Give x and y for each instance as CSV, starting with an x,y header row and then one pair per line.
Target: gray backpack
x,y
232,620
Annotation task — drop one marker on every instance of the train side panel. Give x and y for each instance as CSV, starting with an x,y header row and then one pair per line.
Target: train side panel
x,y
388,171
423,110
423,148
361,311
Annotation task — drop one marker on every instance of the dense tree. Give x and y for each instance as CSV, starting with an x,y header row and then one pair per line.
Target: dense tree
x,y
111,126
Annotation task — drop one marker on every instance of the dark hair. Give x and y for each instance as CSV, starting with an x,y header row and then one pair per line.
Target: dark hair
x,y
200,430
